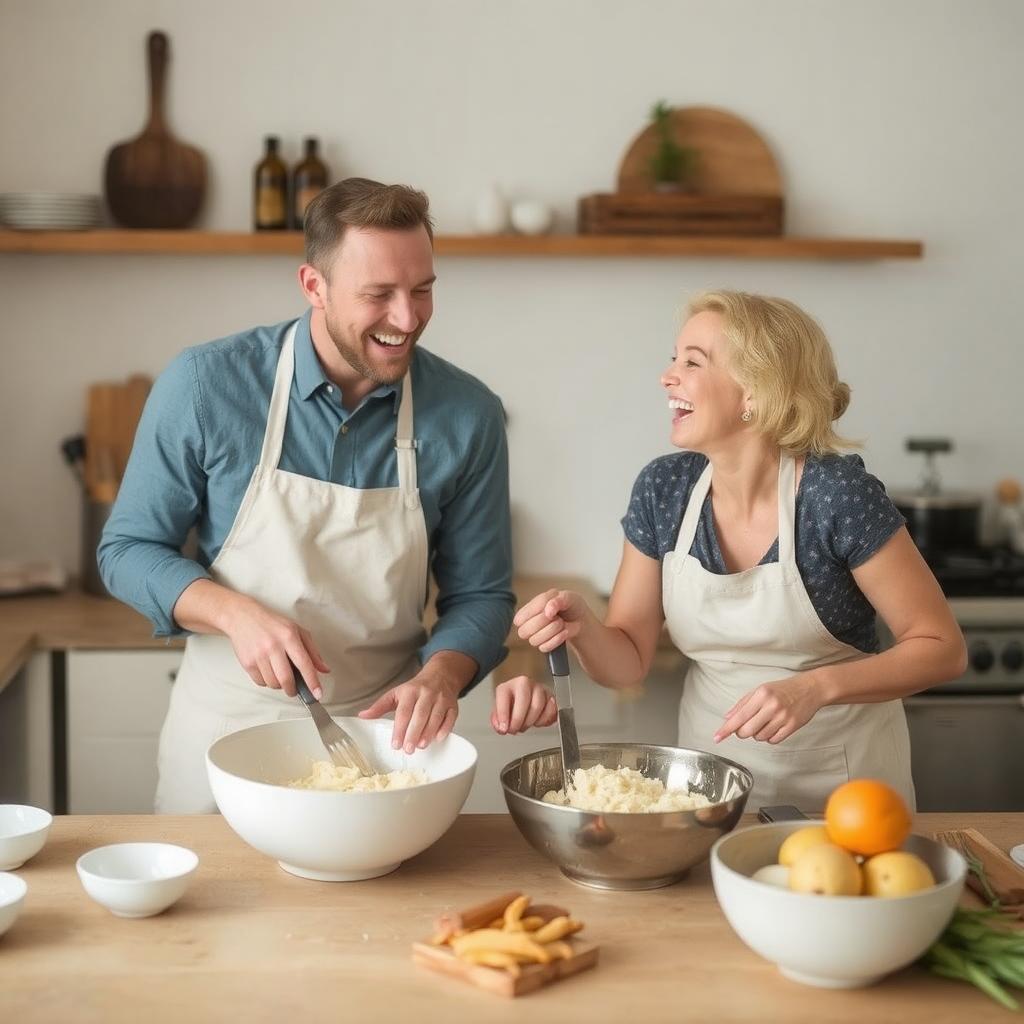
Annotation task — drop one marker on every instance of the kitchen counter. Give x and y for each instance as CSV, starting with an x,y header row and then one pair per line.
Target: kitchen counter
x,y
68,621
77,621
250,942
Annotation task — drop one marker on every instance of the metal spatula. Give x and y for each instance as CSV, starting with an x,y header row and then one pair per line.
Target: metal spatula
x,y
342,749
558,662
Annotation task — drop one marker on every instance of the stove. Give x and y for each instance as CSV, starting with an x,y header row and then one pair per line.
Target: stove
x,y
967,735
993,629
985,589
979,572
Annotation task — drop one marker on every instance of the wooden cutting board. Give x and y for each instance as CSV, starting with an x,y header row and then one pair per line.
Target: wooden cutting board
x,y
438,955
155,181
733,159
492,979
112,417
131,398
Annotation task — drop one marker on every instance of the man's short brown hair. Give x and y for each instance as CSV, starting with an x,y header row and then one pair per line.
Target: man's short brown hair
x,y
360,203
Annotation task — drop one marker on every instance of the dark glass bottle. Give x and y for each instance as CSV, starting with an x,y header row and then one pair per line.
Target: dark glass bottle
x,y
308,179
270,190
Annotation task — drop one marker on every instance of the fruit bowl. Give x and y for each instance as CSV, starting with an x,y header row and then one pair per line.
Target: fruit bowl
x,y
831,941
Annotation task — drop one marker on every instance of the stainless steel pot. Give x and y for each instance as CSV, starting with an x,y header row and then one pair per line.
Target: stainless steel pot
x,y
938,520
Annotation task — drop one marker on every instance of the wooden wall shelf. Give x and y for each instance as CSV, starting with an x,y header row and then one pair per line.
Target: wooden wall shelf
x,y
289,243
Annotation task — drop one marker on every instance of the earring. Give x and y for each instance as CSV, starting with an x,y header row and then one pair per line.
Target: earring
x,y
747,416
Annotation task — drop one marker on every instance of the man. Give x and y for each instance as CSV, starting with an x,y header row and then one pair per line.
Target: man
x,y
327,463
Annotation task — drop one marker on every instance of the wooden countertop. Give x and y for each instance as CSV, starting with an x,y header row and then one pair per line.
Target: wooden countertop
x,y
250,942
77,621
68,621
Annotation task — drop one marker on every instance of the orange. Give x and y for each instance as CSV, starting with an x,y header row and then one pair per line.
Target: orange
x,y
866,816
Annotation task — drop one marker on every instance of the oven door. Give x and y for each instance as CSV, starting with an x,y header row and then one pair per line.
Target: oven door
x,y
967,751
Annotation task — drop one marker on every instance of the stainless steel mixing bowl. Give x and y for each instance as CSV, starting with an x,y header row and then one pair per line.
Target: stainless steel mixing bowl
x,y
627,851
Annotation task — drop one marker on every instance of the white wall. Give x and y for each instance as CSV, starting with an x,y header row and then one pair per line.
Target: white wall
x,y
888,119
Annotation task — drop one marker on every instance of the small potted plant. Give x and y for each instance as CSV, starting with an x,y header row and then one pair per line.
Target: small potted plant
x,y
672,165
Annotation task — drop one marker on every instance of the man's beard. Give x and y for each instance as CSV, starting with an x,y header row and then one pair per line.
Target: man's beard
x,y
354,355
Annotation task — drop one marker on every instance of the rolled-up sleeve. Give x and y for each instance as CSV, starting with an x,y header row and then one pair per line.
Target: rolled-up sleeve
x,y
159,500
473,556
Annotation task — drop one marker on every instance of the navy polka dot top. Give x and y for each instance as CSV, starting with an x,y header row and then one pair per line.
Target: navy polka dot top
x,y
843,516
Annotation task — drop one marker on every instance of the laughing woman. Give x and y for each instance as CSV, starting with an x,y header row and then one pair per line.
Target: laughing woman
x,y
768,555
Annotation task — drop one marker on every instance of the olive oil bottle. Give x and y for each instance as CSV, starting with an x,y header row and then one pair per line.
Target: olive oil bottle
x,y
270,190
308,179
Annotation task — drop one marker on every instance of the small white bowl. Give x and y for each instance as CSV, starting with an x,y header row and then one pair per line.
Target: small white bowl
x,y
136,879
23,832
831,941
12,896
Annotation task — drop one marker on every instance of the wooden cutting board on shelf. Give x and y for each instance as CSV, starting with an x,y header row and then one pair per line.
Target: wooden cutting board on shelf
x,y
733,159
155,181
735,189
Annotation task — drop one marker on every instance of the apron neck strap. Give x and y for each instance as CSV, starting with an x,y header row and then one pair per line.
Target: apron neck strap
x,y
277,417
405,445
691,517
787,508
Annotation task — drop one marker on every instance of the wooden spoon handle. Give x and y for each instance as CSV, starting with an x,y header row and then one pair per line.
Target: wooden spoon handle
x,y
158,48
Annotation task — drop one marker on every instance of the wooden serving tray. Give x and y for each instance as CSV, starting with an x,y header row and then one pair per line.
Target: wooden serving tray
x,y
498,980
436,955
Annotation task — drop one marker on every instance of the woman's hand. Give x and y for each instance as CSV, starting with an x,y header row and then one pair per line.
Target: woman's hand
x,y
551,618
773,711
520,704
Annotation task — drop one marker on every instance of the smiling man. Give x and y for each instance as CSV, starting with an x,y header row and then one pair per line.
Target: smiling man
x,y
328,464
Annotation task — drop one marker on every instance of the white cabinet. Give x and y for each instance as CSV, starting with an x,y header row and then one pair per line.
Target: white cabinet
x,y
116,703
117,700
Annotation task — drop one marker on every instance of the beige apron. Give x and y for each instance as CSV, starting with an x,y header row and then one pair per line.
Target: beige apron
x,y
348,565
759,626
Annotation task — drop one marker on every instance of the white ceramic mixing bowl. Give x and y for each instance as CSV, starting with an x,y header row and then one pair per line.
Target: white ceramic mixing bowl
x,y
328,835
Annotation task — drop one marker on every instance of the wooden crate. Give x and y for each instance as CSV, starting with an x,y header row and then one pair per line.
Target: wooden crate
x,y
655,213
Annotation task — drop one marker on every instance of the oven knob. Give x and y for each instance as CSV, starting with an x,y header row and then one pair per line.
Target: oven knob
x,y
1013,656
982,658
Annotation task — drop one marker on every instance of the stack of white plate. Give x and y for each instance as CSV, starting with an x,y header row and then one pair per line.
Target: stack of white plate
x,y
50,211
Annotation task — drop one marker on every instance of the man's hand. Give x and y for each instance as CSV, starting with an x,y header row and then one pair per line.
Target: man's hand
x,y
426,706
263,640
267,645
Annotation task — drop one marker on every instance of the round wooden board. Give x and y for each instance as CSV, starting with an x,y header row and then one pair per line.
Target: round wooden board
x,y
733,159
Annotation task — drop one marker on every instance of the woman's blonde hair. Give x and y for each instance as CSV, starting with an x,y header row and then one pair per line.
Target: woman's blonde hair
x,y
782,357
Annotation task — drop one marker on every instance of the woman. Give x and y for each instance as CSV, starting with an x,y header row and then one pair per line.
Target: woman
x,y
768,554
